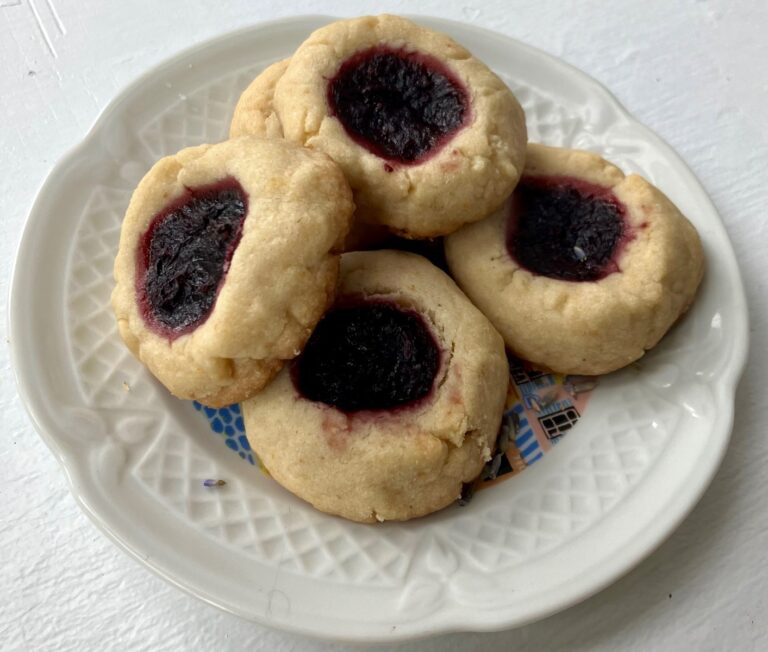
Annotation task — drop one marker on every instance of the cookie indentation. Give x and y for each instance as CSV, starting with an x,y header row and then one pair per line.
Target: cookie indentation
x,y
368,355
566,228
402,106
185,253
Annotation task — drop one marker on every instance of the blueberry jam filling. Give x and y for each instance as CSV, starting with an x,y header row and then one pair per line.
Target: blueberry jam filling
x,y
402,106
565,228
368,355
185,253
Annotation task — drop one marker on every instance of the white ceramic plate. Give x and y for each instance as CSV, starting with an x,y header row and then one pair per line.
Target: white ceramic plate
x,y
603,499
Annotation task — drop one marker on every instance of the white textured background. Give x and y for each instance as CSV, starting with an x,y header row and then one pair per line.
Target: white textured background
x,y
694,71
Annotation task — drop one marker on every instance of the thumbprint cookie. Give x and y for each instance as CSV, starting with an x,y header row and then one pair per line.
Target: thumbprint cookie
x,y
227,260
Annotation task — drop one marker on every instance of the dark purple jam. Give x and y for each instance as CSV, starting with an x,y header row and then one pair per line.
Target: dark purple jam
x,y
565,228
184,256
402,106
368,355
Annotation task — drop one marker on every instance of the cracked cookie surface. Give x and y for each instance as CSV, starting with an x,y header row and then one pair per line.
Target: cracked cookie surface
x,y
207,232
464,146
397,457
255,115
615,293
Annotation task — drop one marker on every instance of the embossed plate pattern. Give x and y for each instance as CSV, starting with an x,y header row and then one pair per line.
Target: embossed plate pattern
x,y
626,475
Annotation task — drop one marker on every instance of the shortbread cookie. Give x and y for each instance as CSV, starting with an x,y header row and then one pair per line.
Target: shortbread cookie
x,y
584,269
254,113
394,403
226,263
428,137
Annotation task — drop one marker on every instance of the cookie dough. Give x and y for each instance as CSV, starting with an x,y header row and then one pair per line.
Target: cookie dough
x,y
428,137
227,260
254,113
584,269
396,400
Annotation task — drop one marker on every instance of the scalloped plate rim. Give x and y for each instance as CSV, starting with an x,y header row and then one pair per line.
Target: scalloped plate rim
x,y
434,624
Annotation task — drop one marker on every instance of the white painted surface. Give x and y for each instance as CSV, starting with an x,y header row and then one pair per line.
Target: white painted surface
x,y
692,71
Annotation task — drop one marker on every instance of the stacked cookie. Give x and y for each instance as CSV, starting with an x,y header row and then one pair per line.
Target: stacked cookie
x,y
427,136
372,386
